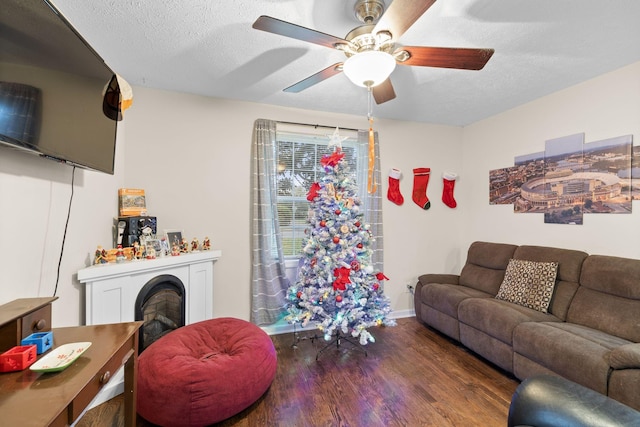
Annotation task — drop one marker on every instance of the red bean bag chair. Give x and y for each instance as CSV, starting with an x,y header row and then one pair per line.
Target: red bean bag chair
x,y
205,372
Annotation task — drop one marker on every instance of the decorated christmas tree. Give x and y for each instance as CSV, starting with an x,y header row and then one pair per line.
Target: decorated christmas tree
x,y
337,288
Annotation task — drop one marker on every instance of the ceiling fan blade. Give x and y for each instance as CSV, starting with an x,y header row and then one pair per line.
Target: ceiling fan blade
x,y
400,15
330,71
287,29
384,92
447,57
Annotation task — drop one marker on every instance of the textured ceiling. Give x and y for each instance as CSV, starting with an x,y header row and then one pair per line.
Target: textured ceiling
x,y
208,47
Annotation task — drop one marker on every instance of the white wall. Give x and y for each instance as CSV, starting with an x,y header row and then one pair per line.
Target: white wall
x,y
192,156
604,107
34,197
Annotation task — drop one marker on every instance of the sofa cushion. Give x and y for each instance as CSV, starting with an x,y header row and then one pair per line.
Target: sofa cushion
x,y
446,298
529,283
609,296
436,301
569,260
572,351
485,265
498,318
612,275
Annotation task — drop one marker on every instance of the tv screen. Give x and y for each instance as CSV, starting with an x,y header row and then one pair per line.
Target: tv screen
x,y
52,88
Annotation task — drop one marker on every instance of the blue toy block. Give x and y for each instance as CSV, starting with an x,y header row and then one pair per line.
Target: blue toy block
x,y
42,340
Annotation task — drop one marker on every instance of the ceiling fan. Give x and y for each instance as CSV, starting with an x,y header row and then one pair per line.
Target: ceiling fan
x,y
371,48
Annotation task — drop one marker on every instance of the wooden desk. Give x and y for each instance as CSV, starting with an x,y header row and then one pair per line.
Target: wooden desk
x,y
29,398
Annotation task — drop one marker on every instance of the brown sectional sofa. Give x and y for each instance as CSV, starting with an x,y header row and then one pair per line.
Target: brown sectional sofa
x,y
590,334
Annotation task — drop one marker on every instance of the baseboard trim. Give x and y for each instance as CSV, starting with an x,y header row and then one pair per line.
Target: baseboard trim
x,y
285,328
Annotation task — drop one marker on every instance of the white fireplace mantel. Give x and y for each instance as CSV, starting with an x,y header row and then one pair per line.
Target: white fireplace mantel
x,y
112,289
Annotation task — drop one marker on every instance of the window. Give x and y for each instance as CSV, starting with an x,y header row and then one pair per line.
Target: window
x,y
298,166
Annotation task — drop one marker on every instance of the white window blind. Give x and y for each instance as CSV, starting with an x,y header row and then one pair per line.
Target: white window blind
x,y
298,157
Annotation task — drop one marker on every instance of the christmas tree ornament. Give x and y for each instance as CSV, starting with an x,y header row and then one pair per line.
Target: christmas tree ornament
x,y
336,288
393,192
420,183
313,191
449,182
380,276
335,140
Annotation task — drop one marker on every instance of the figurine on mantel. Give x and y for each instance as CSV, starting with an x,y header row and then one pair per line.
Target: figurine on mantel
x,y
164,244
120,258
175,249
195,244
150,252
206,244
137,250
184,246
101,256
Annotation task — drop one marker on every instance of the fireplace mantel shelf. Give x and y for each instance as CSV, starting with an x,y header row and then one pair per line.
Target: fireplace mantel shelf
x,y
111,270
111,289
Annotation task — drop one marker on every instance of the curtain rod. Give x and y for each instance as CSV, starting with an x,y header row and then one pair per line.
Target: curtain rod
x,y
315,126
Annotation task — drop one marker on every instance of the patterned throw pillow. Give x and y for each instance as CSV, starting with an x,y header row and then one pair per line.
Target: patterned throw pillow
x,y
529,283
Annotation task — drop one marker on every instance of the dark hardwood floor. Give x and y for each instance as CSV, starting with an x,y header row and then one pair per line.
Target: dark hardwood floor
x,y
411,376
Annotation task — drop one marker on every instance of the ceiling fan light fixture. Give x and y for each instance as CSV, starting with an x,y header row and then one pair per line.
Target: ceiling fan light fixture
x,y
369,68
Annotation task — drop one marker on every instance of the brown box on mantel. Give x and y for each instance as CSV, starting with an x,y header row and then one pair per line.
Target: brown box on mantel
x,y
132,202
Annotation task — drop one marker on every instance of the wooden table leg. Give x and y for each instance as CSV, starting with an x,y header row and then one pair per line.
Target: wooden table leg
x,y
130,385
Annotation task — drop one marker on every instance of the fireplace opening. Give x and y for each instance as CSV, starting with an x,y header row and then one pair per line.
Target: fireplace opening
x,y
161,306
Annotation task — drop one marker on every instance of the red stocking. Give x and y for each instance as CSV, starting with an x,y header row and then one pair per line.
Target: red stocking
x,y
393,193
420,182
449,181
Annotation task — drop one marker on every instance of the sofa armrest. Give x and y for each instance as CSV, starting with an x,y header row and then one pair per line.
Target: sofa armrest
x,y
625,357
549,401
451,279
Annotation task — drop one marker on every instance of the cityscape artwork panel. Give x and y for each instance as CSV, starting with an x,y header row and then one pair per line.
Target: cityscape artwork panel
x,y
571,178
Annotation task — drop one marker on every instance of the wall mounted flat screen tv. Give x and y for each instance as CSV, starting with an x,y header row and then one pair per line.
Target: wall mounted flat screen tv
x,y
51,88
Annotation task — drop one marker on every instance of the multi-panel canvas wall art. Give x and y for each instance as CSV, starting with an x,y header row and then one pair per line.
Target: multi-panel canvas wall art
x,y
571,178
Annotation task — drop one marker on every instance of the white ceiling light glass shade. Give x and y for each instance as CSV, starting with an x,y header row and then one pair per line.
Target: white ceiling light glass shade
x,y
369,68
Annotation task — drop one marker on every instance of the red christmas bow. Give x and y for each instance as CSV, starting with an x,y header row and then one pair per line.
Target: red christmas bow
x,y
342,275
381,276
333,159
313,191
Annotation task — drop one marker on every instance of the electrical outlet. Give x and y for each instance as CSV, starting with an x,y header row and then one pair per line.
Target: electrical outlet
x,y
409,288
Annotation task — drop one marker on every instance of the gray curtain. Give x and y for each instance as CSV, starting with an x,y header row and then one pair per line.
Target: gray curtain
x,y
372,202
268,281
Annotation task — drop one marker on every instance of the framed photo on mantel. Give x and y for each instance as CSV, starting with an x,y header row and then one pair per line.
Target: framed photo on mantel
x,y
174,237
